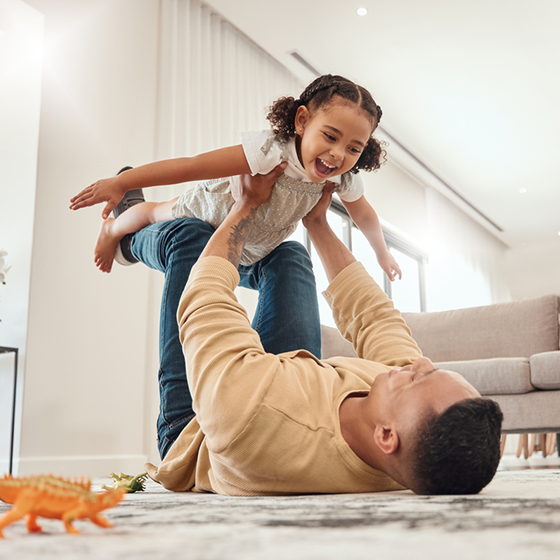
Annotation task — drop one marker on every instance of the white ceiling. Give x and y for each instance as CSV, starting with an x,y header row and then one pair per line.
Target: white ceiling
x,y
472,89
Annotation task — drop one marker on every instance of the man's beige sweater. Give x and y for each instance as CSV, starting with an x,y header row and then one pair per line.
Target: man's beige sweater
x,y
268,424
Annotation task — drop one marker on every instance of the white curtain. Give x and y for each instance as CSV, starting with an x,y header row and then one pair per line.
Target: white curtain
x,y
465,260
214,82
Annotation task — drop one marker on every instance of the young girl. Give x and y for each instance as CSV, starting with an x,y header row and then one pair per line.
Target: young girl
x,y
325,135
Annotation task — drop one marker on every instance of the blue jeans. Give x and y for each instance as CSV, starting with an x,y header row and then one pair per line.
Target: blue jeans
x,y
287,315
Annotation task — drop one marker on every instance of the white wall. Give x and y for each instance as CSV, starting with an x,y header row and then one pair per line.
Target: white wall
x,y
85,382
398,199
534,270
465,260
21,38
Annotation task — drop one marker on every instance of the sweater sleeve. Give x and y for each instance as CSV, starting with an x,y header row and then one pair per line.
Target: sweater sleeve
x,y
366,317
228,371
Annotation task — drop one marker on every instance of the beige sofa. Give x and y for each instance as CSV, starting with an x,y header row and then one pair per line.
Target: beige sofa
x,y
508,351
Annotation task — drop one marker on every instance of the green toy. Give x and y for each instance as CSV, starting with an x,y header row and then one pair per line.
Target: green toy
x,y
128,483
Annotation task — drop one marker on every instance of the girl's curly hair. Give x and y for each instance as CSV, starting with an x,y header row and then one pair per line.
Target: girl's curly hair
x,y
319,93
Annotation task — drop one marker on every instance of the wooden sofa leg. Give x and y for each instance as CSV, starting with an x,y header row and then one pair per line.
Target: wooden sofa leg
x,y
532,445
523,446
503,445
550,443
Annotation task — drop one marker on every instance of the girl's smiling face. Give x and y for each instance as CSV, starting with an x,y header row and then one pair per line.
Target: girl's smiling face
x,y
330,140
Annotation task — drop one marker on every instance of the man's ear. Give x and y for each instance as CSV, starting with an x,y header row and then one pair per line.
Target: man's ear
x,y
387,439
302,117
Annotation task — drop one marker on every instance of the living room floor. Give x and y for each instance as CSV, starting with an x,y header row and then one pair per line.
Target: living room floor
x,y
516,517
513,463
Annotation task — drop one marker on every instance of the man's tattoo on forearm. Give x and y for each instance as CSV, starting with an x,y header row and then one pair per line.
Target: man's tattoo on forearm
x,y
238,236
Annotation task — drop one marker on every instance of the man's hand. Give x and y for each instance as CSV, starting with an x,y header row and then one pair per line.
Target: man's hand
x,y
333,253
318,214
252,191
249,193
106,190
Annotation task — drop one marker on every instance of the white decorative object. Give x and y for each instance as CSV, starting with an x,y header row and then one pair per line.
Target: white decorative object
x,y
3,268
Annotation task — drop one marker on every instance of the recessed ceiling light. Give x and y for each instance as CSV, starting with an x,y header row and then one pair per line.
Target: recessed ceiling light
x,y
522,190
361,11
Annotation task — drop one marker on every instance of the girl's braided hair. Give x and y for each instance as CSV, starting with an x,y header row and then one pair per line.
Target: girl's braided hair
x,y
319,93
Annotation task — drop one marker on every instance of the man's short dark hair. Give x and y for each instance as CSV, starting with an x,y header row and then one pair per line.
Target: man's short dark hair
x,y
458,452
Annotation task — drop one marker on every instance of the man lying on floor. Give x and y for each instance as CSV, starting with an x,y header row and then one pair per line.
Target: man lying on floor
x,y
271,424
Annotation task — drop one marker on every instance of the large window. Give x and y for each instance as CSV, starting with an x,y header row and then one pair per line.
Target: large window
x,y
408,294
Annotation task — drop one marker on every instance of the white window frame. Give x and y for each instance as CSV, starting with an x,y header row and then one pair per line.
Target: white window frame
x,y
392,240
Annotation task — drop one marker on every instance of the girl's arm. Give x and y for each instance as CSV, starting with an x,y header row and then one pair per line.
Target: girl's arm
x,y
366,219
210,165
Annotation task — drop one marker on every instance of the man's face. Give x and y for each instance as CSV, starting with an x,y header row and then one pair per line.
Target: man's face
x,y
401,397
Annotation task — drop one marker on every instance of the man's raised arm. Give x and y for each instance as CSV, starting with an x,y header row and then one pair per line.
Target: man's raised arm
x,y
249,193
334,255
364,314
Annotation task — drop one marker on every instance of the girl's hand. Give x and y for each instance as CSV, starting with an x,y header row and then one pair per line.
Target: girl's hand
x,y
389,266
106,190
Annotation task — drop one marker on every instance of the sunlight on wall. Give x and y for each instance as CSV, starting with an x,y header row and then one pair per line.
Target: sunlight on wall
x,y
453,283
465,266
21,39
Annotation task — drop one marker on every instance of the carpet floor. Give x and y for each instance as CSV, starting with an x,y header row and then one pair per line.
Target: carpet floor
x,y
516,517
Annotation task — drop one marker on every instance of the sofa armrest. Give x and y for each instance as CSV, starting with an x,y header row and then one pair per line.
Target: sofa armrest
x,y
545,370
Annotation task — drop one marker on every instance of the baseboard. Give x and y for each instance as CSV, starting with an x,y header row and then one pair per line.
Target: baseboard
x,y
94,466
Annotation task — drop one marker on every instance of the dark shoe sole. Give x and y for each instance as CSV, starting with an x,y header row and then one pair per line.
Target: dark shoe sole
x,y
124,254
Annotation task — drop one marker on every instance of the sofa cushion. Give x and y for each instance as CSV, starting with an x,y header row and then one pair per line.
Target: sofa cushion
x,y
502,376
334,344
502,330
533,412
545,370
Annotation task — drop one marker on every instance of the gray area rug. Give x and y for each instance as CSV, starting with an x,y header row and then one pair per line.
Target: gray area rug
x,y
516,517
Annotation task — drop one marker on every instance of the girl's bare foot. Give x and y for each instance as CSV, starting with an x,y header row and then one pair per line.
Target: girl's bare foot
x,y
105,246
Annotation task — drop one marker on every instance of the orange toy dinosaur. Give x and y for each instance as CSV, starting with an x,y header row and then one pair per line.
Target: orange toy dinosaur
x,y
54,498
